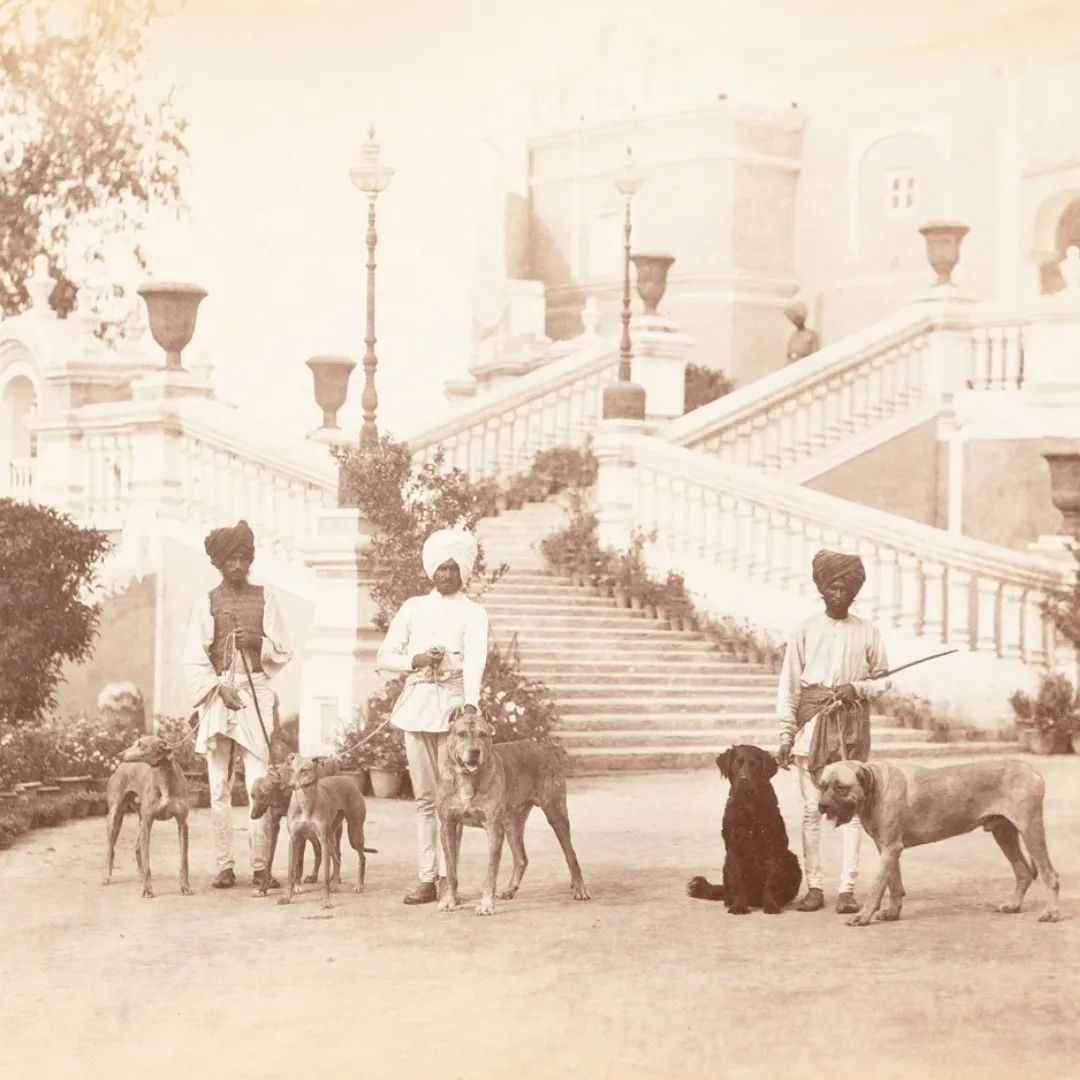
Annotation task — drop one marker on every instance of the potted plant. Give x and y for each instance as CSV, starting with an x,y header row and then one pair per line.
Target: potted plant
x,y
1047,722
377,746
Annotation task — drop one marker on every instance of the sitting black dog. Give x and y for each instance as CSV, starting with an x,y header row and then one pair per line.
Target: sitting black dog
x,y
759,870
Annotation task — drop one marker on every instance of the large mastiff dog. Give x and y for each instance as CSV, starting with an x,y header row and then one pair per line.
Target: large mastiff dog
x,y
495,788
905,806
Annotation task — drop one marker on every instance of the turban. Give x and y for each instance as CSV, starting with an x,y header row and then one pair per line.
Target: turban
x,y
831,566
456,544
223,544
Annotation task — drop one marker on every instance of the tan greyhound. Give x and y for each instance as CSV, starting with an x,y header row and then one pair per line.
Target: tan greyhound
x,y
147,776
318,806
271,794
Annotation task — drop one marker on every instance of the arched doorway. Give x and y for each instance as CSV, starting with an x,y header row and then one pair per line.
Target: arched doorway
x,y
18,403
1066,234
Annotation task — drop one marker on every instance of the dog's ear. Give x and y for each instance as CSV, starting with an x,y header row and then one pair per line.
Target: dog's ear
x,y
453,714
866,780
291,760
768,765
723,763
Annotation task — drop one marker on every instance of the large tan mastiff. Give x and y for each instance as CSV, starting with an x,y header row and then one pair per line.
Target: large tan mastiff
x,y
495,788
903,806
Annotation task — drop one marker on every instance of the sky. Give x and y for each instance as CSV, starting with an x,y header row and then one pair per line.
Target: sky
x,y
279,94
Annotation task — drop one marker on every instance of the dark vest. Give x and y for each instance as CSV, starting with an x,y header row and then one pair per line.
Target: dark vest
x,y
228,608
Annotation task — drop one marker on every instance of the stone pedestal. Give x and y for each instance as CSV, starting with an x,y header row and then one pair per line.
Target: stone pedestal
x,y
338,672
171,383
948,347
616,480
659,365
1052,356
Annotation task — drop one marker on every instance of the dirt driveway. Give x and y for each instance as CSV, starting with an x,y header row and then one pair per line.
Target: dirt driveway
x,y
640,982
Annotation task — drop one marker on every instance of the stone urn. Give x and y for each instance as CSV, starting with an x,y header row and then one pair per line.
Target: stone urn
x,y
943,247
331,374
171,307
1064,461
652,271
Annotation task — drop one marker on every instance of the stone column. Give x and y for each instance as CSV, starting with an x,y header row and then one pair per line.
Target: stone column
x,y
338,672
616,482
659,365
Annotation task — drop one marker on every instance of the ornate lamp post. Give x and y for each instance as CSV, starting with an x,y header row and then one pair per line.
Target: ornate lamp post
x,y
625,400
371,178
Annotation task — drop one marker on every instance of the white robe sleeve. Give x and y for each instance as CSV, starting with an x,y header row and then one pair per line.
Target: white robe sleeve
x,y
393,654
199,674
877,660
476,650
276,651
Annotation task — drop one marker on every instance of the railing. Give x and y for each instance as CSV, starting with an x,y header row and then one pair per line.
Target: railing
x,y
21,479
729,527
855,385
557,405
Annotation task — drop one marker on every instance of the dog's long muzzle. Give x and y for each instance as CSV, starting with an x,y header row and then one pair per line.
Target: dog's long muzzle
x,y
471,760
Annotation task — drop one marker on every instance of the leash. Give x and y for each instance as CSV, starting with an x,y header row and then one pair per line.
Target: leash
x,y
251,684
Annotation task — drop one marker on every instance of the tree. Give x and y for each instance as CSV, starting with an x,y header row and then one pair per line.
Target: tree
x,y
47,563
87,154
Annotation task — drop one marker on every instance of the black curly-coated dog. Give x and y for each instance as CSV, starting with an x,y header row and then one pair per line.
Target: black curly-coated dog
x,y
759,870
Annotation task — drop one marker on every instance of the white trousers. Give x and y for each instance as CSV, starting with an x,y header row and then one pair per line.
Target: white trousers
x,y
217,768
422,753
850,837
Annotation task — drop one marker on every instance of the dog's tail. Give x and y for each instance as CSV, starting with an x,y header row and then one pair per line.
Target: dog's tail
x,y
371,851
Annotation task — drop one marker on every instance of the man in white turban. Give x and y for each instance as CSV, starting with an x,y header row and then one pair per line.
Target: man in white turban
x,y
440,640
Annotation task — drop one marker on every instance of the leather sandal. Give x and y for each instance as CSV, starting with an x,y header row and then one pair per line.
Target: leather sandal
x,y
814,900
226,879
846,904
423,892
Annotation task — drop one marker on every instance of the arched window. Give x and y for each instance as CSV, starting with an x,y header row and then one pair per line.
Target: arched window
x,y
18,403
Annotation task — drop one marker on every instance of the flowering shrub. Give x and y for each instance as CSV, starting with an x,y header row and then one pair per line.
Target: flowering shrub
x,y
405,503
77,747
383,749
178,731
1056,705
702,385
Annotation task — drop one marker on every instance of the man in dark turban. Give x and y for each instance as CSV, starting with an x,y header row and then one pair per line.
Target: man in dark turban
x,y
234,623
831,660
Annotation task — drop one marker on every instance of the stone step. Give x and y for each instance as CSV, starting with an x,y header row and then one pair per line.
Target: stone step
x,y
727,735
720,702
595,761
582,685
696,694
544,603
631,651
660,724
575,620
572,636
674,668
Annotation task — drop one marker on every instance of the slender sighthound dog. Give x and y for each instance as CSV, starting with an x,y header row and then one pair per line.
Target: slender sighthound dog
x,y
147,776
495,788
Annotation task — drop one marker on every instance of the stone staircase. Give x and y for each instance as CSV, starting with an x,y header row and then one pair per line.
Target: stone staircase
x,y
632,693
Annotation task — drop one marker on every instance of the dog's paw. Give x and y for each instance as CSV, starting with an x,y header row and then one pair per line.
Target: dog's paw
x,y
185,890
506,894
447,903
311,879
1008,909
148,893
485,907
358,888
284,900
888,915
327,905
258,891
859,920
696,887
738,909
772,909
1050,916
580,892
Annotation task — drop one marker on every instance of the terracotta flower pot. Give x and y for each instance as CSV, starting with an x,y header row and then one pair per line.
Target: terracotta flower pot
x,y
386,783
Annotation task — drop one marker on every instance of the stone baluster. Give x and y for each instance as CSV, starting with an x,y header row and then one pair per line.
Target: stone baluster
x,y
933,605
908,592
878,406
980,357
988,596
960,627
1011,619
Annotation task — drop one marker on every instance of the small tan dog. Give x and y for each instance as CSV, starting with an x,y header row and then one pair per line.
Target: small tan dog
x,y
271,794
495,788
318,806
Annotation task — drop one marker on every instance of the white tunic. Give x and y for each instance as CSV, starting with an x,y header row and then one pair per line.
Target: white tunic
x,y
215,719
457,624
828,652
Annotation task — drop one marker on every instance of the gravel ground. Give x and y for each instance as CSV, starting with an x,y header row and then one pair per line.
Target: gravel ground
x,y
639,982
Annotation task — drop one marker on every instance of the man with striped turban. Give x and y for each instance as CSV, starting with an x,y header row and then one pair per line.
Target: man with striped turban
x,y
440,641
831,658
234,622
